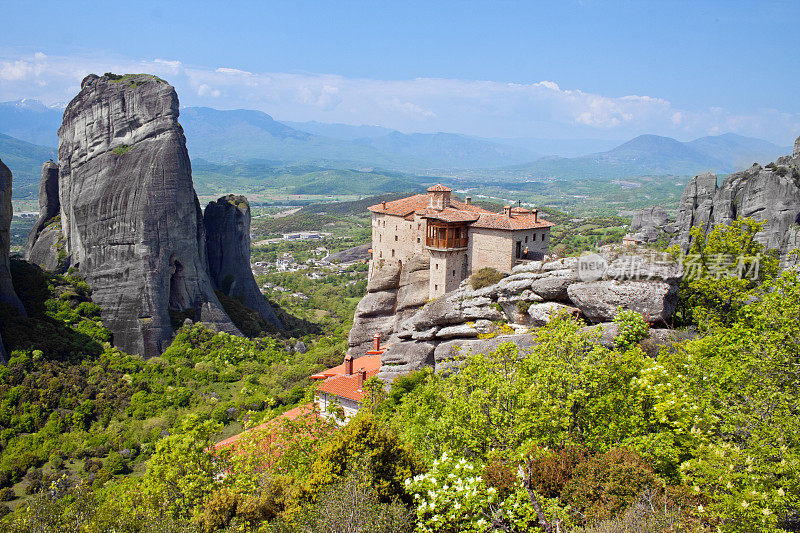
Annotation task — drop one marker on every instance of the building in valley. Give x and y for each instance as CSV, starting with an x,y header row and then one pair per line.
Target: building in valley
x,y
460,238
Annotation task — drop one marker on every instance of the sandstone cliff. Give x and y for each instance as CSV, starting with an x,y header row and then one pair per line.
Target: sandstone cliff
x,y
7,294
419,333
132,223
395,292
227,223
590,287
45,245
770,194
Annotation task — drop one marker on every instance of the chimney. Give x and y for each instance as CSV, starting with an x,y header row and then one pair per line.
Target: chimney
x,y
535,214
376,342
383,204
362,377
348,364
507,210
468,200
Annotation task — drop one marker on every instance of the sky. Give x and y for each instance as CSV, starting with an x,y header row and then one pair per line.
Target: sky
x,y
561,69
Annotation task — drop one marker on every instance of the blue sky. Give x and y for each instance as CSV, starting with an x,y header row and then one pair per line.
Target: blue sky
x,y
495,69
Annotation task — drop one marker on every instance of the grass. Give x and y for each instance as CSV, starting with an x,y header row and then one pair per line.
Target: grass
x,y
121,149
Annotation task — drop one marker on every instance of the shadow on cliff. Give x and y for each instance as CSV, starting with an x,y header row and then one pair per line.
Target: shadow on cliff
x,y
252,324
62,321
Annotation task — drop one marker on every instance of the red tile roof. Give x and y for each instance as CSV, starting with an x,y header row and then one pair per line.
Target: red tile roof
x,y
439,188
346,386
367,362
517,221
521,218
291,414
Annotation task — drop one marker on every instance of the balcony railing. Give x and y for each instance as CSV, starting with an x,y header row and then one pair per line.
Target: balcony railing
x,y
445,243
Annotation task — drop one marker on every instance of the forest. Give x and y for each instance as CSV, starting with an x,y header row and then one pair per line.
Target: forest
x,y
566,436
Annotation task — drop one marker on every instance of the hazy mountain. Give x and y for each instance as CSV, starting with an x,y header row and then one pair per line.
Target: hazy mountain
x,y
344,132
560,147
654,155
31,121
25,161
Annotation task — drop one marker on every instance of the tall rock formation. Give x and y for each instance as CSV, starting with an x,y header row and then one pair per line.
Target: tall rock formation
x,y
770,194
395,291
45,245
227,223
7,294
131,220
649,225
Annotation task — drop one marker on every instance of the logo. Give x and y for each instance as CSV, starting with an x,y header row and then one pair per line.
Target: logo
x,y
591,267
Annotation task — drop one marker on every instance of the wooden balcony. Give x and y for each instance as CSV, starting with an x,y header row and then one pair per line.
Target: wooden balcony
x,y
446,243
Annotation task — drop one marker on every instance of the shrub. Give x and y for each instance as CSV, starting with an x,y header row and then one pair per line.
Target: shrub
x,y
631,329
7,494
523,306
485,277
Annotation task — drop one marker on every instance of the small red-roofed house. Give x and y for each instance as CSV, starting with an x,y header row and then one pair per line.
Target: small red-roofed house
x,y
459,237
343,385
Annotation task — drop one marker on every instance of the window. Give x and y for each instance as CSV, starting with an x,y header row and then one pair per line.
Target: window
x,y
380,237
435,287
454,273
393,252
526,239
380,254
534,237
395,237
436,265
417,240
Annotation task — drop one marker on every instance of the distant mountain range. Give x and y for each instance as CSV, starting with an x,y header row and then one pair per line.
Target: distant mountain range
x,y
228,138
25,161
656,155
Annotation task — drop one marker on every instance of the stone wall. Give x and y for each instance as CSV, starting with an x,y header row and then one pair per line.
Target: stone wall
x,y
491,248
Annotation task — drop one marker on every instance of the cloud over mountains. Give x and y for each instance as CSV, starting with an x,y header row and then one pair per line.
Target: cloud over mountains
x,y
484,108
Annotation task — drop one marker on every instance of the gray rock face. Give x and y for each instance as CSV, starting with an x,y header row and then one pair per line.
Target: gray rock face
x,y
770,194
49,204
650,224
8,295
46,246
696,207
656,340
645,283
395,292
131,220
227,225
447,354
599,300
796,152
351,255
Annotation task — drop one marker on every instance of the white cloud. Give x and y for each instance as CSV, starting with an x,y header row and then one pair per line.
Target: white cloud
x,y
478,107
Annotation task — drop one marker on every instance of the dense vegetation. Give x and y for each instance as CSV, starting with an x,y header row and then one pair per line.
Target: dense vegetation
x,y
567,436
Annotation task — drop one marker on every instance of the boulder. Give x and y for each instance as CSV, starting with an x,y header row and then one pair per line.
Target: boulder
x,y
462,330
377,303
351,255
130,217
227,225
449,353
554,285
599,300
384,275
543,313
300,347
8,295
403,358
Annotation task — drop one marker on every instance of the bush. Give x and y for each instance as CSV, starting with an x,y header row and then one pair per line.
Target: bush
x,y
7,494
485,277
631,329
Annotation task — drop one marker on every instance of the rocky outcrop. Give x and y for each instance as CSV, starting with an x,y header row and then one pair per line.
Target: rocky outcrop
x,y
770,194
656,340
351,255
593,287
227,224
395,291
132,223
8,295
46,246
650,225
